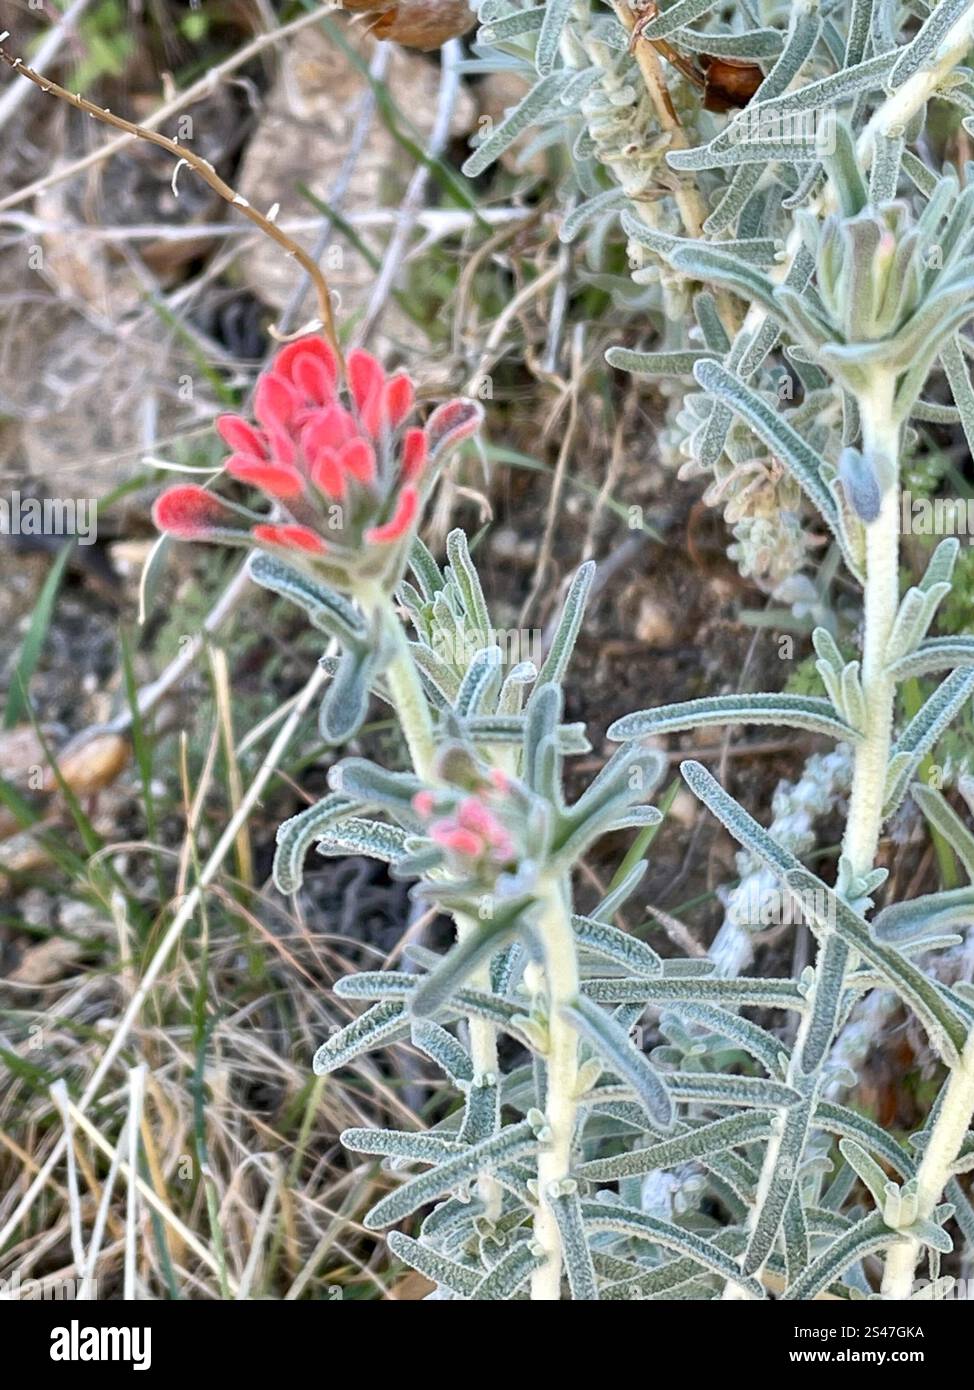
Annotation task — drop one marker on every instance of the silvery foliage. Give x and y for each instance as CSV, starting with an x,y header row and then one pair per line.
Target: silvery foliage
x,y
759,174
718,1090
703,1102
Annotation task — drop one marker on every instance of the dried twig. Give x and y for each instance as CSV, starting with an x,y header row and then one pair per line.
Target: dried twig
x,y
201,166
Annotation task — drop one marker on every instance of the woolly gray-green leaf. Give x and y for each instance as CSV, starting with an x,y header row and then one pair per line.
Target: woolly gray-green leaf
x,y
569,625
792,711
610,200
616,1048
639,1225
329,611
444,1049
576,1254
699,1143
922,50
867,1235
556,14
296,836
383,1023
741,993
923,731
740,1032
665,364
942,816
845,1123
540,102
756,1091
619,946
414,1146
778,1192
510,1273
434,1266
468,582
946,1031
786,443
516,1141
935,654
830,979
365,837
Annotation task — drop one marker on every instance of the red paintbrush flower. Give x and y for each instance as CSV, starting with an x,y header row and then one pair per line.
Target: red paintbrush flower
x,y
345,473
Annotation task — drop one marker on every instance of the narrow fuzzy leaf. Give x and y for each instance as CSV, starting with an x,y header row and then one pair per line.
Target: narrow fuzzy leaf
x,y
700,1143
383,1023
616,1048
867,1170
541,100
783,441
638,1225
516,1141
510,1273
944,819
611,200
731,1090
576,1254
569,624
619,946
740,1032
556,13
676,16
414,1146
363,837
867,1235
849,1124
935,654
742,993
481,1115
780,1188
946,1031
679,363
792,711
468,582
922,50
296,836
923,731
444,1049
329,611
434,1266
830,979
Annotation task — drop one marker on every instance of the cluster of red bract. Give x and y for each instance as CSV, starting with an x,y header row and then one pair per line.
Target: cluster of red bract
x,y
346,476
471,828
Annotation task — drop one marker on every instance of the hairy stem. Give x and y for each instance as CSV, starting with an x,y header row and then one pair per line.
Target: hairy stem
x,y
946,1138
406,688
880,437
554,1162
413,712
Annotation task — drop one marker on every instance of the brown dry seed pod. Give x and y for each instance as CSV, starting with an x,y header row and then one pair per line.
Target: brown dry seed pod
x,y
729,83
422,24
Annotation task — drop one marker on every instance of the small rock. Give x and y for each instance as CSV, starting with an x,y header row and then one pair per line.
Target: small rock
x,y
653,624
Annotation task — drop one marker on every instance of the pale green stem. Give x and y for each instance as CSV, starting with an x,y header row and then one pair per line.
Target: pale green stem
x,y
409,698
413,713
880,438
943,1146
554,1161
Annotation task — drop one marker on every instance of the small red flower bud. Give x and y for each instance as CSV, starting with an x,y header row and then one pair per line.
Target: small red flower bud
x,y
276,479
290,537
400,521
190,512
